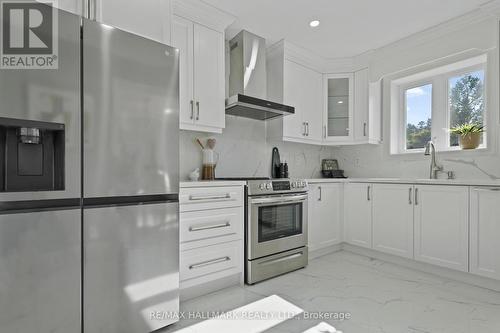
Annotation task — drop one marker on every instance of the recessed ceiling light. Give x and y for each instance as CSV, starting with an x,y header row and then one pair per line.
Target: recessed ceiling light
x,y
314,23
340,102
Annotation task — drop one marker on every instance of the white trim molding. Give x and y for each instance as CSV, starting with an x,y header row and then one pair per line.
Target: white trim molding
x,y
202,13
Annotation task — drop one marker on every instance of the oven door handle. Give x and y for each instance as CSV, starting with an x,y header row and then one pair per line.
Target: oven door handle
x,y
279,200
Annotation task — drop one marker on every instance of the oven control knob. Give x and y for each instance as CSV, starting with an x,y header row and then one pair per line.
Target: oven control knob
x,y
269,186
262,186
294,184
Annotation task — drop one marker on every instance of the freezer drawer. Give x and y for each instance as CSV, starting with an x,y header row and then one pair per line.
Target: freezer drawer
x,y
131,114
131,268
40,272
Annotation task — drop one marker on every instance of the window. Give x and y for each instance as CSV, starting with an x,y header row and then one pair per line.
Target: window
x,y
426,105
466,101
418,103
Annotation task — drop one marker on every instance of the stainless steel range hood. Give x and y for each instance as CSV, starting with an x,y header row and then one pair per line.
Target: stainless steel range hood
x,y
248,80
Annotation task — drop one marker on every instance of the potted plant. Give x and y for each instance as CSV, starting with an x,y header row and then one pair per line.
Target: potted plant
x,y
469,135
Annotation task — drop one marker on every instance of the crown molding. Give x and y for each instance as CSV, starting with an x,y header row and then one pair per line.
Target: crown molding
x,y
441,30
203,13
491,8
351,64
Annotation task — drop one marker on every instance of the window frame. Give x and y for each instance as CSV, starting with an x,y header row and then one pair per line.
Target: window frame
x,y
462,72
439,79
404,107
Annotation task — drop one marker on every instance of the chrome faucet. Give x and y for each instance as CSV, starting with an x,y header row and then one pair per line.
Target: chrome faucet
x,y
435,168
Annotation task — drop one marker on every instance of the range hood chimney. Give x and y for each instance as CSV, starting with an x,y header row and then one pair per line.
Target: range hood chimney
x,y
248,80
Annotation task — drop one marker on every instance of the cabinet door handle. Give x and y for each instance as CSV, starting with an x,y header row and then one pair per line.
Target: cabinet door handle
x,y
307,128
324,131
368,195
197,110
209,197
364,129
416,197
192,110
410,195
489,189
209,262
320,193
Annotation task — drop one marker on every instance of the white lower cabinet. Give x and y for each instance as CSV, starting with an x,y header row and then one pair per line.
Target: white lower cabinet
x,y
485,232
325,215
210,262
393,219
211,238
442,225
358,214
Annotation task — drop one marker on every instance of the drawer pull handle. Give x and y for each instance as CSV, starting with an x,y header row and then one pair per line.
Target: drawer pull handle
x,y
289,257
209,262
215,226
209,197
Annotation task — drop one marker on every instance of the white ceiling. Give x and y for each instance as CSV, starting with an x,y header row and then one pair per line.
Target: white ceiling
x,y
348,27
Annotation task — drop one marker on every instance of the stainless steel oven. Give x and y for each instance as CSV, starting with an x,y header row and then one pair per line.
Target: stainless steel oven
x,y
276,230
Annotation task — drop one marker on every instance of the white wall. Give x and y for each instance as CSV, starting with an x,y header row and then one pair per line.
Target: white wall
x,y
420,52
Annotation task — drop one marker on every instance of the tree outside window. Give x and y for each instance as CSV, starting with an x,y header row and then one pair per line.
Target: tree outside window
x,y
466,101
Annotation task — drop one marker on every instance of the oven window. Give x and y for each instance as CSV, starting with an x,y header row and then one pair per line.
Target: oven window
x,y
279,221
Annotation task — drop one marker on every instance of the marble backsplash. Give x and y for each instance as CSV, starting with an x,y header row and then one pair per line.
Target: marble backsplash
x,y
245,151
366,161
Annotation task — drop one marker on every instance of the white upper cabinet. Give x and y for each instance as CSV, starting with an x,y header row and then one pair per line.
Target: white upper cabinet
x,y
72,6
293,82
361,111
147,18
325,215
339,106
202,94
209,89
352,109
182,38
442,225
358,214
485,232
393,219
302,90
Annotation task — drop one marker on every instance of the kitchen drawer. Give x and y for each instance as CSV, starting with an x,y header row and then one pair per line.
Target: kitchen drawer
x,y
209,224
202,198
211,259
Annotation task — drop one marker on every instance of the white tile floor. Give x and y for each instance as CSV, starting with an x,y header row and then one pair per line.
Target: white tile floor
x,y
380,297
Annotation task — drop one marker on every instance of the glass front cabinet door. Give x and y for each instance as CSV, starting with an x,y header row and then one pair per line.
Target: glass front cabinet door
x,y
339,103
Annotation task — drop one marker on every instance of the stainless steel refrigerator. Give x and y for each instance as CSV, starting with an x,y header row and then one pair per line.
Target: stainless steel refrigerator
x,y
89,186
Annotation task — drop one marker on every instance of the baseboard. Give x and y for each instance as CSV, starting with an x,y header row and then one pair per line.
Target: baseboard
x,y
210,287
424,267
324,251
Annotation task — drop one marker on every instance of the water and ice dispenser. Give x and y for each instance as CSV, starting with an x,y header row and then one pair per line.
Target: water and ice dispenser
x,y
31,155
